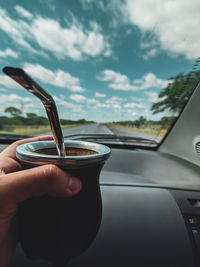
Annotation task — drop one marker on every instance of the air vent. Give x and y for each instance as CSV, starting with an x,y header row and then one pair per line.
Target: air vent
x,y
196,145
197,148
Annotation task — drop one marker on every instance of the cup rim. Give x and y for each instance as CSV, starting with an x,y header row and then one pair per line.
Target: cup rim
x,y
26,154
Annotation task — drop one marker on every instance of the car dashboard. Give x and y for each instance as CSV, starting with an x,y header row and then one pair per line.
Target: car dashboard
x,y
150,217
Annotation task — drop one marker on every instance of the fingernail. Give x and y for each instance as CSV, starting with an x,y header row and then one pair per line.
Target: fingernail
x,y
74,184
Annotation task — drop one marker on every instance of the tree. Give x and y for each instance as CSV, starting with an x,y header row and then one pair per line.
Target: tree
x,y
14,112
174,96
1,125
141,121
37,120
82,121
167,121
31,115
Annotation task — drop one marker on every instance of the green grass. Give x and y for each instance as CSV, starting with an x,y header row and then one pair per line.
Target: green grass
x,y
156,130
27,130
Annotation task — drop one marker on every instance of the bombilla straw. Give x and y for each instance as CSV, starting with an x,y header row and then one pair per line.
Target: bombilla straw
x,y
21,77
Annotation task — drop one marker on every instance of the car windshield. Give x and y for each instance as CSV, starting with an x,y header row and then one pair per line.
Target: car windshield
x,y
115,68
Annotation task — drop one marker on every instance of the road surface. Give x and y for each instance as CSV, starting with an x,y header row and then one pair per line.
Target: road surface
x,y
128,132
97,128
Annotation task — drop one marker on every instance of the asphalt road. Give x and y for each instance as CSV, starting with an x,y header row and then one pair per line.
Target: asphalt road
x,y
128,132
97,128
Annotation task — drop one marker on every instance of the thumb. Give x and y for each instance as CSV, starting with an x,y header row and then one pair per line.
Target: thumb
x,y
47,179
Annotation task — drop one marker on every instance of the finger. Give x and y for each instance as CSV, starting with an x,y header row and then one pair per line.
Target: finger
x,y
34,139
10,151
8,165
8,160
38,181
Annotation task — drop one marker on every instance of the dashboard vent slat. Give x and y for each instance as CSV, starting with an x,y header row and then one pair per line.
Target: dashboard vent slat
x,y
197,148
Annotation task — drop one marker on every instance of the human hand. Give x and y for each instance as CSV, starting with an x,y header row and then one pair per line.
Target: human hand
x,y
17,185
8,160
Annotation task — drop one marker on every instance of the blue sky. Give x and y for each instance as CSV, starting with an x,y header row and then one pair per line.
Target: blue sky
x,y
101,60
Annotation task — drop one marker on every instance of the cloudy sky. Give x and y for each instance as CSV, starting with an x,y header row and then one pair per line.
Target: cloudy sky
x,y
101,60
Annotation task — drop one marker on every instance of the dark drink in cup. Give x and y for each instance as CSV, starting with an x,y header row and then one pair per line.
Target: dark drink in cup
x,y
58,229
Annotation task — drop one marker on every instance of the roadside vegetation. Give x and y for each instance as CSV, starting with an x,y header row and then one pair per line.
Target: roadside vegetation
x,y
171,100
31,123
157,128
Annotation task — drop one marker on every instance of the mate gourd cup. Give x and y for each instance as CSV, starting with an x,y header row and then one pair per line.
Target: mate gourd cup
x,y
58,229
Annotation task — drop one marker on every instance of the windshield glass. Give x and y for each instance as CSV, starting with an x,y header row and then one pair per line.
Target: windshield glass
x,y
115,67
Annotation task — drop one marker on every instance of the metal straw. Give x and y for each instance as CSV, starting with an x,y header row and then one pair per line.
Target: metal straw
x,y
21,77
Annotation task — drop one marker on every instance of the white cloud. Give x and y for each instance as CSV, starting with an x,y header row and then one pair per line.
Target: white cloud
x,y
147,113
117,98
85,3
150,80
175,24
7,100
92,101
59,101
14,97
134,113
150,53
138,99
118,81
17,30
113,103
8,53
114,8
51,4
78,98
152,96
101,5
73,40
32,103
68,109
100,95
57,78
23,12
114,100
82,99
113,106
103,105
149,44
134,105
9,83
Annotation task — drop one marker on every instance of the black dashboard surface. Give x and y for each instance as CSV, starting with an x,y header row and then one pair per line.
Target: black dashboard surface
x,y
140,227
139,167
143,222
